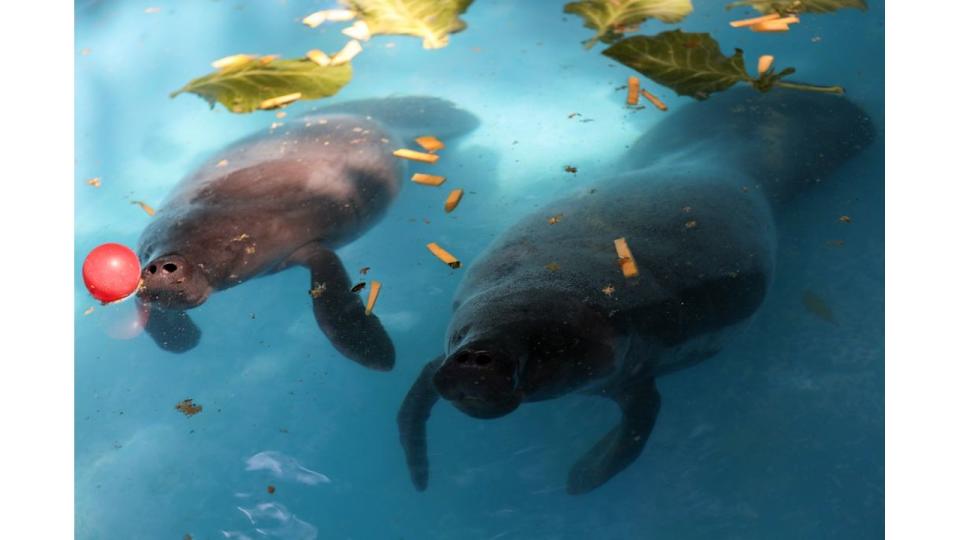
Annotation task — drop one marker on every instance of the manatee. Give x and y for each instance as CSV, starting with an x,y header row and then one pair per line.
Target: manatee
x,y
546,310
287,197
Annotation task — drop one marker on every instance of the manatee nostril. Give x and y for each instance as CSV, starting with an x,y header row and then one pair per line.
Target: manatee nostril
x,y
152,269
482,359
170,267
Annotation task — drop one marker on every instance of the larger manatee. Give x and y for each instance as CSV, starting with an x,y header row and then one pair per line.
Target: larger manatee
x,y
287,197
546,310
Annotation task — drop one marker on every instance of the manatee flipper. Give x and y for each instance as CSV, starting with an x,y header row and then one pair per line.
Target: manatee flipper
x,y
173,330
640,403
412,421
341,314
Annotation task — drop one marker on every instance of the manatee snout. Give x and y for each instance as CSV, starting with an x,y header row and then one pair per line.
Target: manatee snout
x,y
171,282
480,381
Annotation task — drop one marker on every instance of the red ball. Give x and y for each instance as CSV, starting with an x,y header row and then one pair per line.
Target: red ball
x,y
111,272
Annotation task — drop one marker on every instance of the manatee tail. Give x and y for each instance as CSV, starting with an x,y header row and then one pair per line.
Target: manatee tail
x,y
785,140
411,116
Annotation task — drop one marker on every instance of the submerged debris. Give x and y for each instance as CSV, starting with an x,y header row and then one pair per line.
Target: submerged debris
x,y
845,219
318,289
570,169
359,286
364,270
271,489
818,306
95,182
553,220
608,290
188,407
552,266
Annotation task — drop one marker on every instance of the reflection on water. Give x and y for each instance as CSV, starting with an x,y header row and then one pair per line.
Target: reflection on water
x,y
284,467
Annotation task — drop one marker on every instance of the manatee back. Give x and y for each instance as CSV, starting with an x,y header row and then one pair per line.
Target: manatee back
x,y
703,247
786,140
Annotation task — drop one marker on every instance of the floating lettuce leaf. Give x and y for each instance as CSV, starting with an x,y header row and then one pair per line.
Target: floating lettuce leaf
x,y
433,20
612,18
799,6
243,87
692,65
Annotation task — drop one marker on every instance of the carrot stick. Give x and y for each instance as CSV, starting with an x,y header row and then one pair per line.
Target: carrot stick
x,y
319,57
351,49
230,61
770,26
428,179
443,255
372,298
416,156
633,90
755,20
653,99
627,264
280,101
430,143
764,63
452,200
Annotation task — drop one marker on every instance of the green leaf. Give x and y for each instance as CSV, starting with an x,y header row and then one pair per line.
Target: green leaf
x,y
433,20
612,18
692,65
799,6
241,88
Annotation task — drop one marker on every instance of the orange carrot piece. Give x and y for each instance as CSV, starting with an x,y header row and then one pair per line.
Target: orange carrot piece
x,y
755,20
627,264
452,200
430,143
416,156
770,27
633,90
372,297
280,101
428,179
653,99
443,255
764,63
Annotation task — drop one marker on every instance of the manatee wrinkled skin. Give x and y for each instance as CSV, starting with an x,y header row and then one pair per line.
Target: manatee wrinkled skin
x,y
287,197
547,311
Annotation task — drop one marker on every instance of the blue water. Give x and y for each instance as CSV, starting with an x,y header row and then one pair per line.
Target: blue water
x,y
779,436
